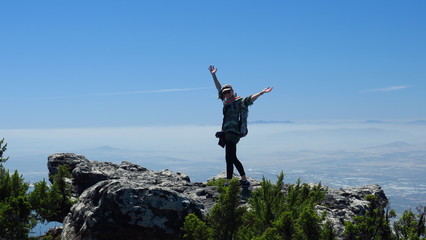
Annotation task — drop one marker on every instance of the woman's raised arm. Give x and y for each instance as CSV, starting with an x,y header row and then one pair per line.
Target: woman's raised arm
x,y
216,82
257,95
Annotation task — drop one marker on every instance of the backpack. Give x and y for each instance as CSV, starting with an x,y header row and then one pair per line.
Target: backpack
x,y
242,122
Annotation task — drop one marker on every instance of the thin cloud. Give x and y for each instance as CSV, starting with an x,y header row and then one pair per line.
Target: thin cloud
x,y
169,90
387,89
146,91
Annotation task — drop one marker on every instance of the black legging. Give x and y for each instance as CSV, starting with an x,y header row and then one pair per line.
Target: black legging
x,y
231,160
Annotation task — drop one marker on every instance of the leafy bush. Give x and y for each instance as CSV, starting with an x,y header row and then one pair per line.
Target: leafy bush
x,y
52,203
374,224
225,216
16,219
2,150
218,182
276,215
272,214
20,211
411,226
195,229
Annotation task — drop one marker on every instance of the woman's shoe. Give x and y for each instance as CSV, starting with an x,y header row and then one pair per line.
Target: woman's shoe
x,y
245,183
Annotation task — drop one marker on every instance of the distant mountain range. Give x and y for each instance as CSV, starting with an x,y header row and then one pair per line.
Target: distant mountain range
x,y
415,122
269,122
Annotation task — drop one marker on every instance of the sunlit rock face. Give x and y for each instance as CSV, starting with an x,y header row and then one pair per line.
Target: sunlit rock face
x,y
128,201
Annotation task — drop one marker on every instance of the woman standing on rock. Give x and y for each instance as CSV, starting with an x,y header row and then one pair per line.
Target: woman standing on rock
x,y
234,127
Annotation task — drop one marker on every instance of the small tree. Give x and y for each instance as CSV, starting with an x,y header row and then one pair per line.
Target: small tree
x,y
374,224
267,204
276,215
195,229
226,215
411,226
52,203
17,206
16,219
308,224
328,231
3,149
273,214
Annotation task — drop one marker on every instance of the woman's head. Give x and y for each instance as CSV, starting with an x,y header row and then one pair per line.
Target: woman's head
x,y
226,92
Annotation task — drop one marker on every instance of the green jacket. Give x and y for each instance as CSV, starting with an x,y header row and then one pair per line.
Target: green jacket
x,y
231,114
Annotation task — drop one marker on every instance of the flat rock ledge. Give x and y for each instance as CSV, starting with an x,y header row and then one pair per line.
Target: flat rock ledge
x,y
127,201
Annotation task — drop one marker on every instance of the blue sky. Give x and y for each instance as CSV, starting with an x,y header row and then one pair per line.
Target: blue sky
x,y
71,64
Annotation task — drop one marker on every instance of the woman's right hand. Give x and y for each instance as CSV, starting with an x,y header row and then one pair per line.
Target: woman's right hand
x,y
212,69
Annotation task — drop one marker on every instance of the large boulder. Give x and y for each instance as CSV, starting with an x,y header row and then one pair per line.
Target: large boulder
x,y
127,201
122,209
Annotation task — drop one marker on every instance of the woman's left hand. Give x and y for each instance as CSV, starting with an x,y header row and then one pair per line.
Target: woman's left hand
x,y
266,90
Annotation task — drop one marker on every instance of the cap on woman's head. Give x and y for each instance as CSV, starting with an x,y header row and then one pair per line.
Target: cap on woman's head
x,y
224,88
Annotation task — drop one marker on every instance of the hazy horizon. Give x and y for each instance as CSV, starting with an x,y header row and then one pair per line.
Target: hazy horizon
x,y
338,154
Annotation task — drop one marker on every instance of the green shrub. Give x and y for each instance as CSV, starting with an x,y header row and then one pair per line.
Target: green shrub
x,y
16,219
195,229
272,214
328,231
2,150
374,224
20,211
226,215
52,203
411,226
276,215
218,182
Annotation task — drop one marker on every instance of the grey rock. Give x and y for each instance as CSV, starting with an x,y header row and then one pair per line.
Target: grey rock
x,y
70,159
122,209
127,201
342,204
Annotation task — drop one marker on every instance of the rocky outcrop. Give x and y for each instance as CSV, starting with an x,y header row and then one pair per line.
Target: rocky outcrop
x,y
127,201
70,159
342,204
